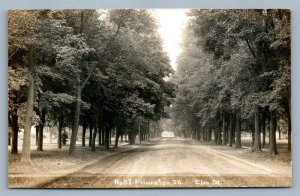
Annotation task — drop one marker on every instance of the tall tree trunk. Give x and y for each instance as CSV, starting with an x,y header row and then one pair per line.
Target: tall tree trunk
x,y
40,138
60,127
224,128
230,130
36,135
140,134
208,133
268,122
252,138
102,136
94,139
25,157
95,133
233,128
145,132
198,134
15,132
50,133
156,129
263,130
238,141
289,119
84,126
131,137
110,136
279,131
256,146
148,131
99,137
106,134
184,133
91,134
41,130
117,137
9,139
193,133
76,123
289,132
252,129
204,131
99,132
273,147
215,136
219,136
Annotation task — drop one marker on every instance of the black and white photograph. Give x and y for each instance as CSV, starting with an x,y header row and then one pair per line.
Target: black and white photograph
x,y
149,98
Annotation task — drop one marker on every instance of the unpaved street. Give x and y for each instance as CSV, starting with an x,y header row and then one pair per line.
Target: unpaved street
x,y
172,163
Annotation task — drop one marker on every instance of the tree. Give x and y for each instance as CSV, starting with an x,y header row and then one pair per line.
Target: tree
x,y
22,26
29,50
16,85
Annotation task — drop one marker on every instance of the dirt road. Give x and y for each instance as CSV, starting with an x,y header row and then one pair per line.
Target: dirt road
x,y
172,163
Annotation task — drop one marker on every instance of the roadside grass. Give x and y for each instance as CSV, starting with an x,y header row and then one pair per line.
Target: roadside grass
x,y
54,160
279,163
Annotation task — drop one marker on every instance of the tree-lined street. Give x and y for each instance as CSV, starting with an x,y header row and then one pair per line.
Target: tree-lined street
x,y
104,100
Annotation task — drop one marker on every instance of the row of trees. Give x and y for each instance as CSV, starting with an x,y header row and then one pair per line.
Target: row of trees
x,y
234,72
101,69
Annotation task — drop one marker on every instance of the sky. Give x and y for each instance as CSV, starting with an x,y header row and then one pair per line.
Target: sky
x,y
171,22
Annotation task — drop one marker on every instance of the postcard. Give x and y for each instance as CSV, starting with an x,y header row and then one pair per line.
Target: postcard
x,y
149,98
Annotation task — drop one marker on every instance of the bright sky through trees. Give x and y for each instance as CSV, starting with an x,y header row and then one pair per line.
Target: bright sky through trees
x,y
171,22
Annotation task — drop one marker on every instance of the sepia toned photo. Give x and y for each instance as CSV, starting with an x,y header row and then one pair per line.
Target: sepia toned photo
x,y
149,98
